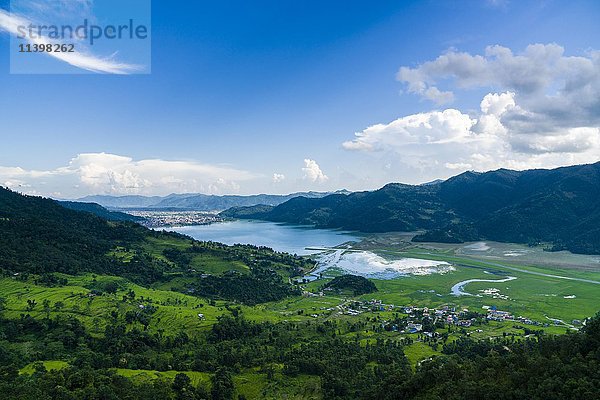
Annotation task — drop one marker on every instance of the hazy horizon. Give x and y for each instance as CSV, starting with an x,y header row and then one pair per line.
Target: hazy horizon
x,y
290,193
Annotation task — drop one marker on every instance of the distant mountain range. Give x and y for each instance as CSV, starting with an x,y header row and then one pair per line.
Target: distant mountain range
x,y
560,207
197,202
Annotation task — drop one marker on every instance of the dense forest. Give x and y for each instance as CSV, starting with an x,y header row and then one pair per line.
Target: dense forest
x,y
564,367
39,236
559,207
100,211
356,284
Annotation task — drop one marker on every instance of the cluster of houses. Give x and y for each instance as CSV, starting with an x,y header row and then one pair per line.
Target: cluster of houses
x,y
494,293
448,315
494,314
153,219
359,307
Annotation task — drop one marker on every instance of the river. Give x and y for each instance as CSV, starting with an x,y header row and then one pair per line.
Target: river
x,y
458,289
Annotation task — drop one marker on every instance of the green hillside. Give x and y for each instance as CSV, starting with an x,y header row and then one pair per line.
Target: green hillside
x,y
92,309
100,211
559,207
41,237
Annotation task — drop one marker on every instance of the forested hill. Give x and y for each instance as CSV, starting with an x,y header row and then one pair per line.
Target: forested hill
x,y
39,235
100,211
559,206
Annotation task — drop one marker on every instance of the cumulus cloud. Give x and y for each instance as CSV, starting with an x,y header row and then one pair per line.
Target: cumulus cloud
x,y
547,113
278,178
459,166
102,173
434,127
312,172
450,141
561,90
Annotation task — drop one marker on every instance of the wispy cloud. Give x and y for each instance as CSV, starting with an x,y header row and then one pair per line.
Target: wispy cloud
x,y
10,23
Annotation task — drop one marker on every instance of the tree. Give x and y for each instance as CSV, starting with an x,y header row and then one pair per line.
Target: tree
x,y
111,287
182,385
47,309
31,304
96,323
223,387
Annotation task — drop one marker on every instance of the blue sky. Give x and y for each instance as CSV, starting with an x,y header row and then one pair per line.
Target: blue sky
x,y
266,96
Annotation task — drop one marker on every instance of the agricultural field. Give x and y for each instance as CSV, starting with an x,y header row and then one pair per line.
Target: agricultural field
x,y
252,384
561,285
550,298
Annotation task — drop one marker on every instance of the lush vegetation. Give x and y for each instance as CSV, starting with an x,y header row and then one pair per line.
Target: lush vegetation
x,y
41,237
558,206
210,365
356,284
260,286
91,309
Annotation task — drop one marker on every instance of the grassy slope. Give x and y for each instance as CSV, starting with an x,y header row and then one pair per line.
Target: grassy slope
x,y
253,384
183,316
530,295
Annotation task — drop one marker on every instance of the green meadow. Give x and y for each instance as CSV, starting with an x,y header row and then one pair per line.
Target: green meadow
x,y
531,295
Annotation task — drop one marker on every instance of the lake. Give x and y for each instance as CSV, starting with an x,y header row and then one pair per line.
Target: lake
x,y
296,239
288,238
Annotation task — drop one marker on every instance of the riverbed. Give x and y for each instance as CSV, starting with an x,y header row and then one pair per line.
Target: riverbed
x,y
458,289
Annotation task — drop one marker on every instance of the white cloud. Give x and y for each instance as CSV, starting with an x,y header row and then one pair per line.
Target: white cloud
x,y
425,128
55,10
102,173
497,104
546,115
312,172
277,178
10,22
561,90
436,95
459,166
441,143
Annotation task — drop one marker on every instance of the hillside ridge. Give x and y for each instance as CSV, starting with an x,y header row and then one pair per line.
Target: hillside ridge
x,y
559,207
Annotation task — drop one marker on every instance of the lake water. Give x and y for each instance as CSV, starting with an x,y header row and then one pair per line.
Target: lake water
x,y
280,237
297,239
